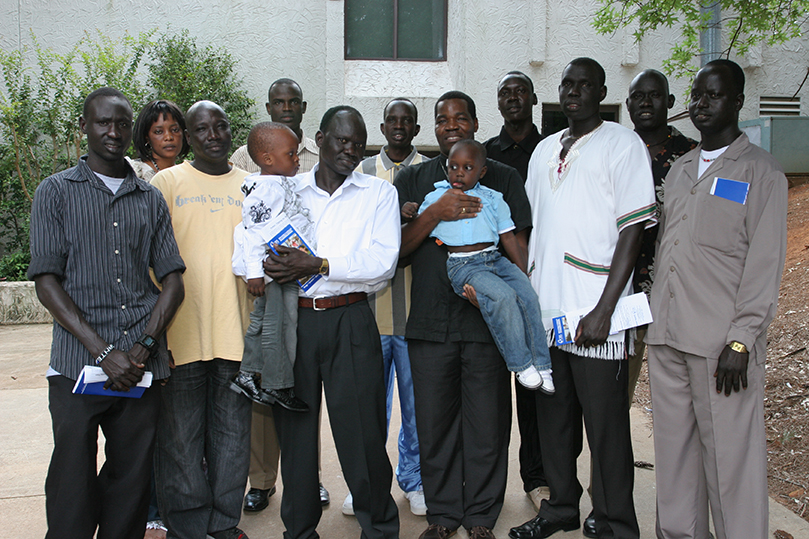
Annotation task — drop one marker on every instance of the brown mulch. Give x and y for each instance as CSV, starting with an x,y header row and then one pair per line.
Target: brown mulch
x,y
786,392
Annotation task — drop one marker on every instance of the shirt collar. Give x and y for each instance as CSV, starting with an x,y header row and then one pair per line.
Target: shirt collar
x,y
444,184
528,143
733,152
86,174
308,145
388,163
307,180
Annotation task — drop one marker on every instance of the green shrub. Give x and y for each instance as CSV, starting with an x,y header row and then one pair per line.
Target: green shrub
x,y
14,266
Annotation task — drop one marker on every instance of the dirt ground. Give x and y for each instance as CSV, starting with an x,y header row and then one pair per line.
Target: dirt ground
x,y
786,397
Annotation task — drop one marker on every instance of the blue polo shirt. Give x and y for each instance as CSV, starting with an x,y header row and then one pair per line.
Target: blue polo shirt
x,y
493,220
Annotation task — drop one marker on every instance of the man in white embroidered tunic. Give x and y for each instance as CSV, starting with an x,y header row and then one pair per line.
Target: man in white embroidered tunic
x,y
591,194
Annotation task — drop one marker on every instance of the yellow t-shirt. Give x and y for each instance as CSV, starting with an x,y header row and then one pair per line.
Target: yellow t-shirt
x,y
213,318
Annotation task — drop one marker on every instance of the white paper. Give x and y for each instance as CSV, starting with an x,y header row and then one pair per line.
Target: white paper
x,y
92,375
630,311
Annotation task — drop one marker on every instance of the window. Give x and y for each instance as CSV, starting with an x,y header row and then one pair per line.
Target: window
x,y
553,119
396,29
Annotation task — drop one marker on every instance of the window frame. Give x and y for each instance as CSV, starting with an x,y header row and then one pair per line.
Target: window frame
x,y
395,37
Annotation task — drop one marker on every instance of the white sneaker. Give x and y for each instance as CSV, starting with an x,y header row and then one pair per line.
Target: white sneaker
x,y
417,504
348,506
547,386
530,378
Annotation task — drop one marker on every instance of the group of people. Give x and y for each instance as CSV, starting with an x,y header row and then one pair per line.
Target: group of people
x,y
419,264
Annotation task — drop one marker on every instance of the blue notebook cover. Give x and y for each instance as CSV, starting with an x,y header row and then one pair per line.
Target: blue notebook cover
x,y
92,379
730,189
289,237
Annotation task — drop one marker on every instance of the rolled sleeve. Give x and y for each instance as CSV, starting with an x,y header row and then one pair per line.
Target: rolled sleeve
x,y
165,255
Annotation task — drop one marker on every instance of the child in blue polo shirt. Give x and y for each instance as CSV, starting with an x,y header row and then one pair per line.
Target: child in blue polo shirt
x,y
507,300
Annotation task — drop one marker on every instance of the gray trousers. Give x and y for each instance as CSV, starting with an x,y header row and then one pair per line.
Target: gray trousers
x,y
709,449
271,338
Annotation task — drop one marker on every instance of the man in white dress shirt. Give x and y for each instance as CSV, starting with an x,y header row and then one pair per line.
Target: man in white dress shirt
x,y
357,231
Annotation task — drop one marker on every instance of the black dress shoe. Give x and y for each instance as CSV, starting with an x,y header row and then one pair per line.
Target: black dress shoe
x,y
285,398
248,384
324,495
257,499
589,528
539,528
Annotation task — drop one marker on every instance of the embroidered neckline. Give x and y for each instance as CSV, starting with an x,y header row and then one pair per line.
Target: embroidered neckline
x,y
558,167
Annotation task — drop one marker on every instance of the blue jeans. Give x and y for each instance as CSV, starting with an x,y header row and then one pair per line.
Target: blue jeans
x,y
508,304
394,354
202,420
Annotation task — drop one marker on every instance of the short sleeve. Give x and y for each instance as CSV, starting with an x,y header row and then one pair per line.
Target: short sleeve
x,y
634,186
504,221
48,249
164,254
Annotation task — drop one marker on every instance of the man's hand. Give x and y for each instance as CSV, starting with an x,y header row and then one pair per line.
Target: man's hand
x,y
470,294
122,369
409,211
290,264
732,369
594,328
256,286
456,204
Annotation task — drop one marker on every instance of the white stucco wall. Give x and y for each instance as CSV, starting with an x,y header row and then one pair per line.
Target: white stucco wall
x,y
486,39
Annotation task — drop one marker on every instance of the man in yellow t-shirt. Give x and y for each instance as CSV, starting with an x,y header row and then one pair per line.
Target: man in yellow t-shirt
x,y
201,416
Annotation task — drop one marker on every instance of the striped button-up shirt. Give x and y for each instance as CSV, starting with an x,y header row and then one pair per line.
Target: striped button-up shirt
x,y
101,246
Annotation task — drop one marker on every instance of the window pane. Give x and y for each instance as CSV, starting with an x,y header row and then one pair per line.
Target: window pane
x,y
421,29
369,28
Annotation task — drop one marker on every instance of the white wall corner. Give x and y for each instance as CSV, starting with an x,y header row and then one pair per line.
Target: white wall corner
x,y
630,49
538,20
753,58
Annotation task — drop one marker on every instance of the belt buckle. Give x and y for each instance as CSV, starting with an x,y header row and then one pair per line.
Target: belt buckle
x,y
314,303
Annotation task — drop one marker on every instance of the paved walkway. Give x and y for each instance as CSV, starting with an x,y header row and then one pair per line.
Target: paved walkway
x,y
26,444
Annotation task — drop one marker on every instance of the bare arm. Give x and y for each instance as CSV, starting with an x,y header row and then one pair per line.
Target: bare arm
x,y
164,310
516,251
594,328
121,368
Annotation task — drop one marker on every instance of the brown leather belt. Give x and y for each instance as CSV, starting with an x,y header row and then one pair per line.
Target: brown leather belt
x,y
323,303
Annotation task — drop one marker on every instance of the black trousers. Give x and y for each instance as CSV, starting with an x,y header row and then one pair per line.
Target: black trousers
x,y
596,390
340,353
116,499
531,471
463,418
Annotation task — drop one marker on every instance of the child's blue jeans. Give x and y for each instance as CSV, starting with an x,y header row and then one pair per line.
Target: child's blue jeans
x,y
509,305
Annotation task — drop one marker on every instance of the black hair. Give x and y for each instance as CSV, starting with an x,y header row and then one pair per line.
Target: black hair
x,y
332,112
151,113
102,92
521,75
404,100
286,81
479,148
736,72
589,62
455,94
261,138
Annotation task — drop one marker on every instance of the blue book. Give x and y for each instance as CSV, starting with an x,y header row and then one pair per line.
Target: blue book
x,y
92,379
730,189
561,331
289,237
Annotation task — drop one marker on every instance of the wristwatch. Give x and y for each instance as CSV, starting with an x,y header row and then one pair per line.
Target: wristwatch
x,y
148,342
736,346
324,267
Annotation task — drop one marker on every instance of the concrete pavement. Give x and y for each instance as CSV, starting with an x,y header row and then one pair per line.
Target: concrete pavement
x,y
26,444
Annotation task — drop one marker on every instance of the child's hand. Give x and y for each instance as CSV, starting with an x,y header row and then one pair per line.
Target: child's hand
x,y
256,286
470,294
409,211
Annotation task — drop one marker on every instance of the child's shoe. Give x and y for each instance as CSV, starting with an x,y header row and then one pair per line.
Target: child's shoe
x,y
530,378
285,398
249,384
547,386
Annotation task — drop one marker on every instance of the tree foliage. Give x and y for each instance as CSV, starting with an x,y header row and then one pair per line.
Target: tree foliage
x,y
182,72
747,23
42,92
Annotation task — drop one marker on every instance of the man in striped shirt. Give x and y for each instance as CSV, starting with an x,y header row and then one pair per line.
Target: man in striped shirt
x,y
96,230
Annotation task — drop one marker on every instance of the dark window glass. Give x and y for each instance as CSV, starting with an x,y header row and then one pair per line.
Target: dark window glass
x,y
554,120
395,29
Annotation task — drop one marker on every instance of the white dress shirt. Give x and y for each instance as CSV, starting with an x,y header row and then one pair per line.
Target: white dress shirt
x,y
357,229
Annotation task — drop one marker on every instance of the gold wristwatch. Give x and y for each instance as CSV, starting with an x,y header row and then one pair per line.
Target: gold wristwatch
x,y
736,346
324,267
